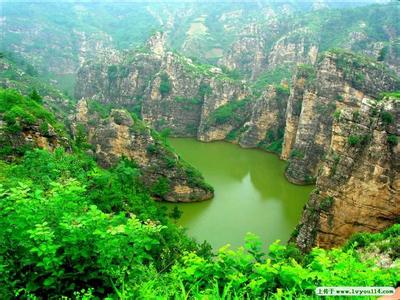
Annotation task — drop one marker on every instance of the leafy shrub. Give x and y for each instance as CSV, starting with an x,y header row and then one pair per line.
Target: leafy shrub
x,y
112,72
161,187
392,139
387,118
152,149
71,219
227,112
336,115
326,203
204,90
296,153
103,110
165,85
20,111
355,140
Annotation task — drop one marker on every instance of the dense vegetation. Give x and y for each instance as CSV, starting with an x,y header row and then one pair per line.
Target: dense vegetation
x,y
71,228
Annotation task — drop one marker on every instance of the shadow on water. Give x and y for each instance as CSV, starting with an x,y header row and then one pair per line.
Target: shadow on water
x,y
251,194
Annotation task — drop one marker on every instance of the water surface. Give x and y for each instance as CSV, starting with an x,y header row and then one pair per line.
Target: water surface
x,y
251,194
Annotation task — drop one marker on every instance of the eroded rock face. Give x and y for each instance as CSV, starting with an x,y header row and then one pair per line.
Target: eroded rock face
x,y
340,80
30,137
267,121
166,89
358,184
119,135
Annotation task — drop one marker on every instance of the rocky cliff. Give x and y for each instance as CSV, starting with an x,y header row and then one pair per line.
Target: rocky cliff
x,y
339,80
358,183
115,134
166,89
25,124
299,122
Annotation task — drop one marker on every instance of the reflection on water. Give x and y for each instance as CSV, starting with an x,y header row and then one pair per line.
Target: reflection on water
x,y
251,194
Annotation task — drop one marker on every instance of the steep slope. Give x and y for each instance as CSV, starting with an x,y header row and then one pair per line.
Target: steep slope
x,y
340,80
25,124
115,134
359,180
290,38
168,90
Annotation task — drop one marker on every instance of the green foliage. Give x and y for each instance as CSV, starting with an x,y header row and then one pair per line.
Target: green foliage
x,y
355,140
204,90
392,139
233,74
103,110
387,118
249,273
386,242
188,103
112,72
336,115
296,153
272,77
161,187
64,222
326,203
152,149
356,116
165,85
232,135
175,213
19,111
227,112
35,96
395,95
308,72
273,141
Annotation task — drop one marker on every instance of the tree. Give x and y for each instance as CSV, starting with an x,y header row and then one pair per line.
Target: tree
x,y
35,96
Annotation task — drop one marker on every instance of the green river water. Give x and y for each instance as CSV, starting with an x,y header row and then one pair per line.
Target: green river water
x,y
251,194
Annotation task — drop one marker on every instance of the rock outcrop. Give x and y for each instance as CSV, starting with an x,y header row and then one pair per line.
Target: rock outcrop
x,y
265,127
168,90
298,123
339,80
25,124
117,135
358,183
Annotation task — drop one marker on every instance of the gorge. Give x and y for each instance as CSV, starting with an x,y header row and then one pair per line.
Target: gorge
x,y
237,150
251,194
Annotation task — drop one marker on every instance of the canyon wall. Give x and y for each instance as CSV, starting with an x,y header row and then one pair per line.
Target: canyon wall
x,y
307,124
358,183
117,134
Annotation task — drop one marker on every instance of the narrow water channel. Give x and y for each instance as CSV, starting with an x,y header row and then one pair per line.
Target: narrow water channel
x,y
251,194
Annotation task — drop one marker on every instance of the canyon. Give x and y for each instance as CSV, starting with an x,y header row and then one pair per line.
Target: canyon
x,y
308,124
327,112
199,150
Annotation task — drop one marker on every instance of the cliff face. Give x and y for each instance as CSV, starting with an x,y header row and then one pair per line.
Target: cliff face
x,y
358,183
265,126
117,134
25,124
298,123
166,89
339,80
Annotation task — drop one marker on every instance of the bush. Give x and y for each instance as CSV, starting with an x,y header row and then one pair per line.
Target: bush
x,y
152,149
227,112
70,220
161,187
165,85
387,118
296,153
355,140
392,139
